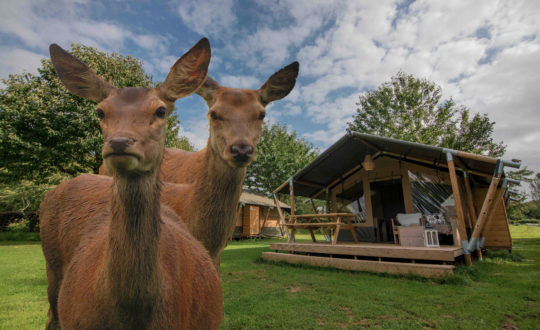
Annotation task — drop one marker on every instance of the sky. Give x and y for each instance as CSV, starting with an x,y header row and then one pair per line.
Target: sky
x,y
483,54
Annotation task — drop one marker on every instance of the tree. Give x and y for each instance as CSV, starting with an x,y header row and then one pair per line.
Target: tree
x,y
280,154
408,108
46,132
535,188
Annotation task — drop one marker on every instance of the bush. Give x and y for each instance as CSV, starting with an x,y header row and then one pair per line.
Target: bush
x,y
25,196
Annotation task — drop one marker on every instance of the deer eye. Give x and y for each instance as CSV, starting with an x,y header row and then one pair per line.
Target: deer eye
x,y
213,115
262,115
161,112
100,114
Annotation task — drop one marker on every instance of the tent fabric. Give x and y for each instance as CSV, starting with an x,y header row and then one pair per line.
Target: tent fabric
x,y
349,152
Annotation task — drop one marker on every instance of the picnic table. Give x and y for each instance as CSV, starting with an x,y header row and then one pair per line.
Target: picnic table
x,y
333,222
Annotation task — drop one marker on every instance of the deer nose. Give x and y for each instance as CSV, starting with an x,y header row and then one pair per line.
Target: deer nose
x,y
241,152
120,144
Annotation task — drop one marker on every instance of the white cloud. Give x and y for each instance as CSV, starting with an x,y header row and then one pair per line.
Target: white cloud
x,y
16,61
196,130
240,81
207,17
38,23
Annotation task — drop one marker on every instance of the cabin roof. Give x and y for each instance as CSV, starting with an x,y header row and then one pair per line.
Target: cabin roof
x,y
252,198
347,154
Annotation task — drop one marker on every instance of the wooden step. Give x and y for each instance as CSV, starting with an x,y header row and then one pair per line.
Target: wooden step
x,y
425,270
374,250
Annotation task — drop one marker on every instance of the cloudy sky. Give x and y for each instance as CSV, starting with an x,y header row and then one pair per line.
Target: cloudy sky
x,y
484,54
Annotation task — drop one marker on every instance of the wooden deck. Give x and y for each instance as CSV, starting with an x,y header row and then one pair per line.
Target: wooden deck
x,y
374,257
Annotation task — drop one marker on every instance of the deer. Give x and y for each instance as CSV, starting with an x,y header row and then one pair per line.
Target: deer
x,y
126,261
204,187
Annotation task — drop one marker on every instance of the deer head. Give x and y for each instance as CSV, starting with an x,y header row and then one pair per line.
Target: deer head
x,y
236,115
133,119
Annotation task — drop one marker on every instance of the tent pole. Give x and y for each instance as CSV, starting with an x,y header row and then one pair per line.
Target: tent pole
x,y
459,209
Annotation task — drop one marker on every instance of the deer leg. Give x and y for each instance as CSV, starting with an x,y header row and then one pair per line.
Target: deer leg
x,y
52,292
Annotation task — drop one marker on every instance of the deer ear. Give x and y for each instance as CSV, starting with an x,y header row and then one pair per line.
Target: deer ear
x,y
280,84
208,90
78,78
189,72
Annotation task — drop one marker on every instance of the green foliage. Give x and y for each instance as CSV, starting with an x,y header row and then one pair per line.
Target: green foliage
x,y
173,139
280,154
535,188
25,195
408,108
47,131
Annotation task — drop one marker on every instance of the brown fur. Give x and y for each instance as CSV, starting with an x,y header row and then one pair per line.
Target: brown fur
x,y
209,204
115,257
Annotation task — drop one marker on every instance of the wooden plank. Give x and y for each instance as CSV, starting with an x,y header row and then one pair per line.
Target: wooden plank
x,y
481,158
459,209
470,201
425,270
367,200
407,194
373,250
291,190
325,215
486,207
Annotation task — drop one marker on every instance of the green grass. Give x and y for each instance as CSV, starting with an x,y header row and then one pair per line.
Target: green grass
x,y
503,291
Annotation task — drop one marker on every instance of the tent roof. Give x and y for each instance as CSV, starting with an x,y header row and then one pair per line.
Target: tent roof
x,y
348,153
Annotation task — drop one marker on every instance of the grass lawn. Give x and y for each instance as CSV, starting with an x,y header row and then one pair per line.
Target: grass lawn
x,y
502,292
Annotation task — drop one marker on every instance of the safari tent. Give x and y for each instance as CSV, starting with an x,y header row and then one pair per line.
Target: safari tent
x,y
257,216
396,206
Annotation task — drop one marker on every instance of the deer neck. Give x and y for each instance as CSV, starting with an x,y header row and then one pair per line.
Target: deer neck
x,y
131,260
218,190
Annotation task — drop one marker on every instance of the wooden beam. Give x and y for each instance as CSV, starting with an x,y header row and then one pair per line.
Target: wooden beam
x,y
407,193
426,270
367,200
481,158
470,201
278,189
484,212
444,253
309,184
291,191
459,209
430,163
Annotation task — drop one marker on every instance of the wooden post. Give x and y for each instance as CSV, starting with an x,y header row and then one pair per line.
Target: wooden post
x,y
407,194
367,200
319,219
486,207
459,209
281,216
334,201
470,201
291,191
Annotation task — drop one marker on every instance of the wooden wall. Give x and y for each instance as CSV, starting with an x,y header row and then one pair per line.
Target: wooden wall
x,y
251,218
497,232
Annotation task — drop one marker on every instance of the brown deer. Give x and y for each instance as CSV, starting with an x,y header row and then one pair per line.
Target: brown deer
x,y
215,174
125,261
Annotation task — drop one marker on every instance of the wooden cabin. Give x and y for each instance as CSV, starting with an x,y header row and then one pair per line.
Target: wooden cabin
x,y
396,206
258,216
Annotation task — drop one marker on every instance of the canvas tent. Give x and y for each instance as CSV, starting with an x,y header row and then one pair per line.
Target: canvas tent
x,y
368,182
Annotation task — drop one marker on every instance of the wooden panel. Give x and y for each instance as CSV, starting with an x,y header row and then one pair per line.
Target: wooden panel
x,y
498,232
373,250
426,270
254,220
